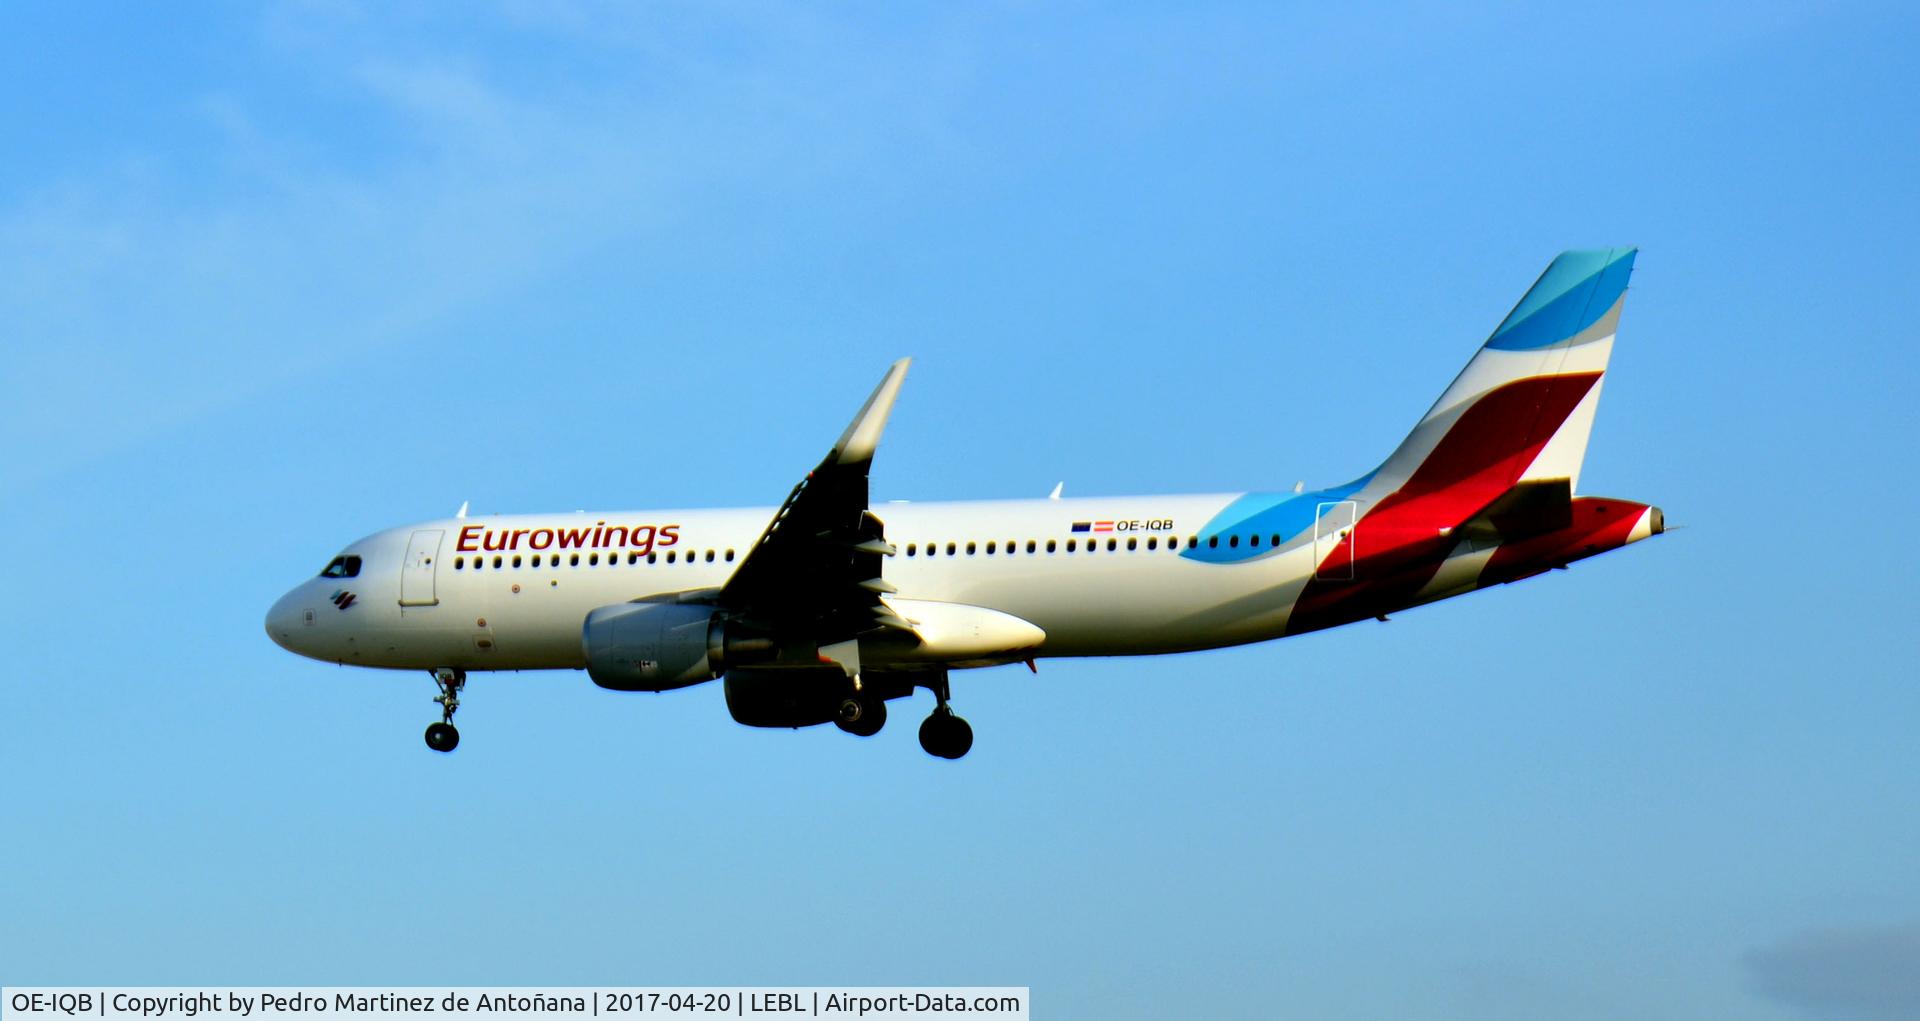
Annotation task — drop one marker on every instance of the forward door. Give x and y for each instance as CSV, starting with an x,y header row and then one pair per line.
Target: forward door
x,y
416,572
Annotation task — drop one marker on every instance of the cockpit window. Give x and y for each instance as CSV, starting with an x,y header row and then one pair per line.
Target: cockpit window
x,y
342,567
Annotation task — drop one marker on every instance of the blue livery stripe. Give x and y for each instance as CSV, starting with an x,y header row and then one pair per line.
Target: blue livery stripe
x,y
1575,291
1266,514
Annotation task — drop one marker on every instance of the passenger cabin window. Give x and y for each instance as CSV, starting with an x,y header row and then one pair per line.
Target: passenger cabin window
x,y
341,567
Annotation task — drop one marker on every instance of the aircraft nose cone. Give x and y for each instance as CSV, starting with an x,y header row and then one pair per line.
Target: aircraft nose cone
x,y
281,620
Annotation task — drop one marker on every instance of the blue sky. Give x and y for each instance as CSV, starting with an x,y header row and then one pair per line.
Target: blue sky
x,y
276,277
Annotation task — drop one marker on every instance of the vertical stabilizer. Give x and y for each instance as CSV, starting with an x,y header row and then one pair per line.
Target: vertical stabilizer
x,y
1523,408
1520,412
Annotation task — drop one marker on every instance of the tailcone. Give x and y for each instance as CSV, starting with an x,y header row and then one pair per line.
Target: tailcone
x,y
1652,522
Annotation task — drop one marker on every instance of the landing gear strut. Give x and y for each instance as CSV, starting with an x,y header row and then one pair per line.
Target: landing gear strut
x,y
943,734
442,736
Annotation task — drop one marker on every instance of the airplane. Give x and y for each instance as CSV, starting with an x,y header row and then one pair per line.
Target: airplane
x,y
828,607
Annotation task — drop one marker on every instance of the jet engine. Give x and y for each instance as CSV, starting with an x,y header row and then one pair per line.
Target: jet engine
x,y
654,646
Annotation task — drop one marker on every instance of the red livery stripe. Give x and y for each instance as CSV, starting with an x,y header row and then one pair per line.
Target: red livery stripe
x,y
1397,546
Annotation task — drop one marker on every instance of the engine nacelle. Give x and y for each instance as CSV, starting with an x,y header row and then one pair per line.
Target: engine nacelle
x,y
654,646
786,696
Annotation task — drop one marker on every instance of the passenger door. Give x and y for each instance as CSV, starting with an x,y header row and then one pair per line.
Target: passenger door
x,y
416,572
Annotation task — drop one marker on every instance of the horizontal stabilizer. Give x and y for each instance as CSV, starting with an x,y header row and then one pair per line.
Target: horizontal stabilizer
x,y
1530,508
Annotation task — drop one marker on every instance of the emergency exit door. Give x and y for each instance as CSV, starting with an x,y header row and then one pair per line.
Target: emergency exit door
x,y
416,572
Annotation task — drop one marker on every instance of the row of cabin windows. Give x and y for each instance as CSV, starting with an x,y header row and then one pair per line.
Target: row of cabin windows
x,y
1152,542
914,549
591,560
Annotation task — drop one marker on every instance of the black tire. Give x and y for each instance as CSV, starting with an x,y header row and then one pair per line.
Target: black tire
x,y
442,737
959,737
946,736
873,716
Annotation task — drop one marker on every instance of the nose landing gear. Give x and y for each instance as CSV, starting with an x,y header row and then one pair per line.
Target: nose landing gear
x,y
442,736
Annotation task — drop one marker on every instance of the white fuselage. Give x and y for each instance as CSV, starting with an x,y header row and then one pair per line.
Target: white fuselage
x,y
503,593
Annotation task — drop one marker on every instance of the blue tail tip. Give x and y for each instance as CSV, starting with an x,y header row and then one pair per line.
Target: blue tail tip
x,y
1578,287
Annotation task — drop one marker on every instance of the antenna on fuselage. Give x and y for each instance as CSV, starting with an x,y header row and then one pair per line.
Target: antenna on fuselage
x,y
462,512
1300,486
1057,487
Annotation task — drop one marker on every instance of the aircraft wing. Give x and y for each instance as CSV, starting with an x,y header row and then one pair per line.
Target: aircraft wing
x,y
816,568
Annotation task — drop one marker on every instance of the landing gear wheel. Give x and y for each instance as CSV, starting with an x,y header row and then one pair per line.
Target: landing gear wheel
x,y
945,735
862,717
442,737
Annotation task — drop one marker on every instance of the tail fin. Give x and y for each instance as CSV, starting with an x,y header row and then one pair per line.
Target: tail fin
x,y
1498,456
1522,409
1520,412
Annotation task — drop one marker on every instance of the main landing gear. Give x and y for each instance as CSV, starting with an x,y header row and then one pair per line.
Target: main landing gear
x,y
863,710
442,736
943,734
